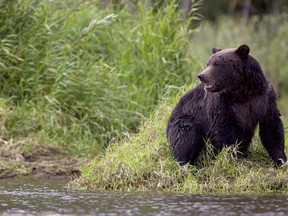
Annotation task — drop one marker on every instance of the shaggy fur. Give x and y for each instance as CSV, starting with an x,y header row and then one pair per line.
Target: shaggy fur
x,y
226,107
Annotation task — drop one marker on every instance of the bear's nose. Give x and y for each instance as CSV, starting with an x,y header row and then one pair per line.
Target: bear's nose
x,y
201,77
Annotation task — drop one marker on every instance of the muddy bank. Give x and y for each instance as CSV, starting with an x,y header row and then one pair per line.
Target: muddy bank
x,y
17,158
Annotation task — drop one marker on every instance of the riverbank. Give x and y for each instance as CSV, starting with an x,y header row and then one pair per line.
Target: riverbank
x,y
75,76
144,162
40,161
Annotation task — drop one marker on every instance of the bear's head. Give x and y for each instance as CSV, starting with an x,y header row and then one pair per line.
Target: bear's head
x,y
232,70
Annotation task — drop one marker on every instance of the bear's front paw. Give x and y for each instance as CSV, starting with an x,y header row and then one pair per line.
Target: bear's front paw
x,y
281,162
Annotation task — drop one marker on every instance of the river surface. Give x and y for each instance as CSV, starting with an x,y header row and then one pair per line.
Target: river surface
x,y
51,197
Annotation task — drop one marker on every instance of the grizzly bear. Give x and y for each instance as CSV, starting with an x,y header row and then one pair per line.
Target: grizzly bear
x,y
233,98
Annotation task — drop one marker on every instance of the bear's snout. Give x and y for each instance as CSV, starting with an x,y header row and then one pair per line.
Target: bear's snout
x,y
201,77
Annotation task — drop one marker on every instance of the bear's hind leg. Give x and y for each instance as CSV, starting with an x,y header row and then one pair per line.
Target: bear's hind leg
x,y
186,139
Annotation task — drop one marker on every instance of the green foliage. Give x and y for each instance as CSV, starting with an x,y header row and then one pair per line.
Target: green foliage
x,y
74,76
144,162
81,75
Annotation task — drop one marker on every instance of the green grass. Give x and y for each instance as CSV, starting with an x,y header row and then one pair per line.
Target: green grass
x,y
77,75
74,76
144,162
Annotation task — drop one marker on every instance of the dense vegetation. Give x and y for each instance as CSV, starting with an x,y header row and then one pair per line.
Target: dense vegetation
x,y
79,75
73,76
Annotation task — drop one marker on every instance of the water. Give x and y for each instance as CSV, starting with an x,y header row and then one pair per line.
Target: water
x,y
50,197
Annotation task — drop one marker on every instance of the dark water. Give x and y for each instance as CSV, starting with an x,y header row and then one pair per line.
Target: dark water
x,y
50,197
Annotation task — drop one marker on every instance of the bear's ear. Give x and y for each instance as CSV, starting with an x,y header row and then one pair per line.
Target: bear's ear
x,y
215,50
243,51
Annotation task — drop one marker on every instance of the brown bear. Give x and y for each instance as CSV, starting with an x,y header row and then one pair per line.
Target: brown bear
x,y
226,107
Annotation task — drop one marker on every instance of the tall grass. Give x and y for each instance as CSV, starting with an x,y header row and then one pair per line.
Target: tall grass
x,y
78,75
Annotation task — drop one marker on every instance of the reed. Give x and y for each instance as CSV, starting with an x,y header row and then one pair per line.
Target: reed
x,y
78,75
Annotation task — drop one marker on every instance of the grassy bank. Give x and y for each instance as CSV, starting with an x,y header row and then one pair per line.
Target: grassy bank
x,y
144,162
75,75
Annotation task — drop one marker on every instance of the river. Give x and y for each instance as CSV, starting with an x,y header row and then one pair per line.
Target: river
x,y
51,197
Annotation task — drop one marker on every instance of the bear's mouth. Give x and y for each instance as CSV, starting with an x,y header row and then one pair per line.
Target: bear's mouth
x,y
208,86
212,87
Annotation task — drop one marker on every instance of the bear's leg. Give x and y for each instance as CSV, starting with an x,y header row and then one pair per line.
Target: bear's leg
x,y
186,139
226,135
244,145
271,132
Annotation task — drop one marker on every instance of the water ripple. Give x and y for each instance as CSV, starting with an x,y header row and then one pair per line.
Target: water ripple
x,y
50,197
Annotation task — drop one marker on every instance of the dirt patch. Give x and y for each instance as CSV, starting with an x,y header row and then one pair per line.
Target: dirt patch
x,y
27,158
